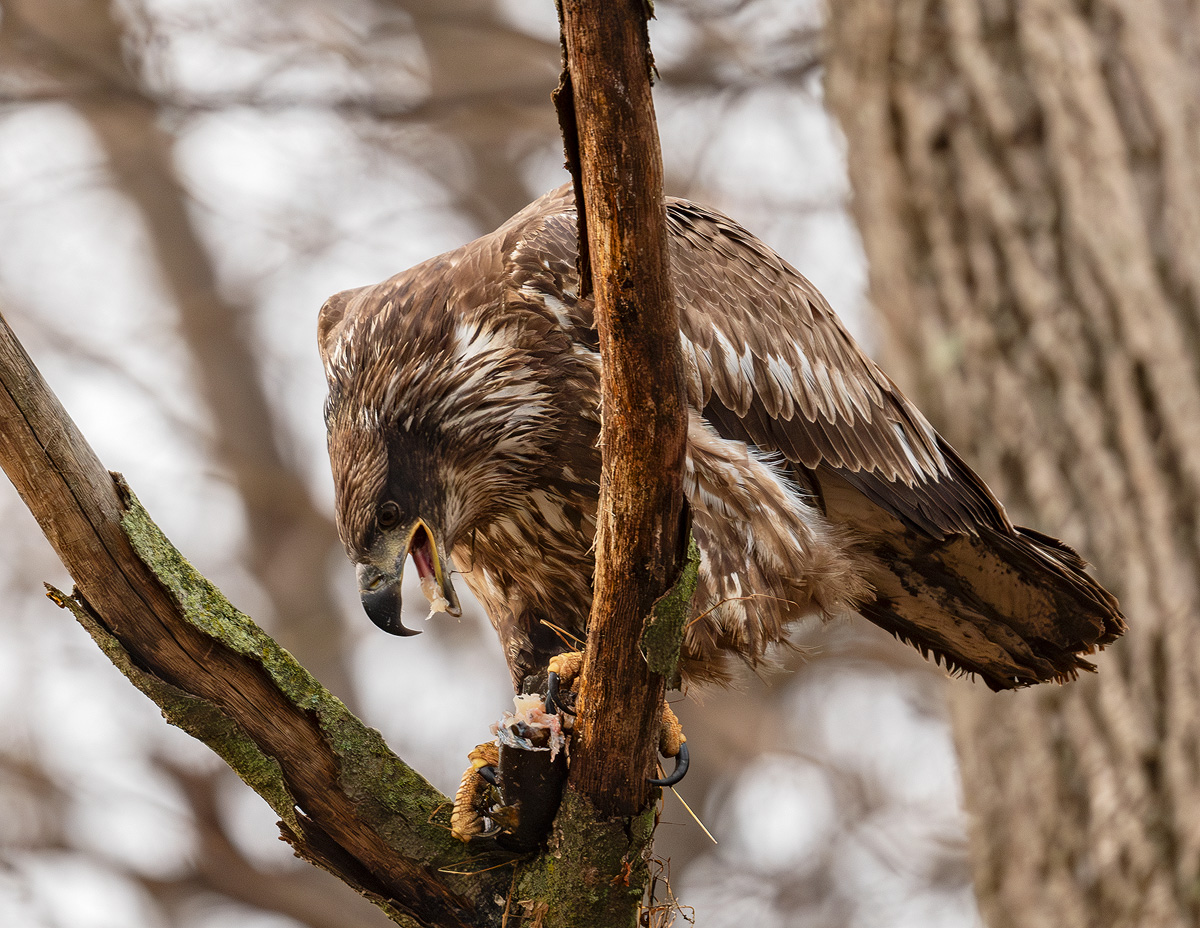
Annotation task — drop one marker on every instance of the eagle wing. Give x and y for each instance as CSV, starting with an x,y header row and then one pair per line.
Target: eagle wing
x,y
776,367
772,366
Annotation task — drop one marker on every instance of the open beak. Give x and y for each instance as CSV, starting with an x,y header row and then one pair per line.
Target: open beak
x,y
380,591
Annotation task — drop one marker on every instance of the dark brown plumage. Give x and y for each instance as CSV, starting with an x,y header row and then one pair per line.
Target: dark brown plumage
x,y
463,421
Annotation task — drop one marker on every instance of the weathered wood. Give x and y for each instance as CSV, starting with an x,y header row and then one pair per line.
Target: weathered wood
x,y
639,539
348,803
595,873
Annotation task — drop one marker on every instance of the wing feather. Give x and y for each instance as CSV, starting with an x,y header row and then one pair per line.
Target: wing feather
x,y
771,364
747,318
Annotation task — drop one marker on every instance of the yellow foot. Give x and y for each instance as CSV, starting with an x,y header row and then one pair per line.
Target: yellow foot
x,y
473,799
672,742
670,736
567,666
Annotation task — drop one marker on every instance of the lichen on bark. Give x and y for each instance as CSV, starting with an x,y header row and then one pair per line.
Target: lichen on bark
x,y
585,894
368,770
662,636
200,719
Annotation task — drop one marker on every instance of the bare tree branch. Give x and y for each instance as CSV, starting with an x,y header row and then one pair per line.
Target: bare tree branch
x,y
639,539
346,802
221,867
603,830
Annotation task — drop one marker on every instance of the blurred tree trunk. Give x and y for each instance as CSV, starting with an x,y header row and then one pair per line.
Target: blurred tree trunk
x,y
79,48
495,110
76,51
1027,183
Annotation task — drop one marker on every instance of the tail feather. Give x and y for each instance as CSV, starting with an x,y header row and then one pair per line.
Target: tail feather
x,y
1015,608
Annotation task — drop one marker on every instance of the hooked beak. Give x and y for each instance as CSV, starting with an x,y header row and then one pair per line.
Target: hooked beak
x,y
380,591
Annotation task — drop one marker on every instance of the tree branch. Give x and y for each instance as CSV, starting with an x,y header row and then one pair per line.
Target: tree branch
x,y
605,823
346,802
639,541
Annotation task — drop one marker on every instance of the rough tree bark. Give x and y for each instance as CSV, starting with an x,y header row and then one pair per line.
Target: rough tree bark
x,y
1028,188
606,110
640,544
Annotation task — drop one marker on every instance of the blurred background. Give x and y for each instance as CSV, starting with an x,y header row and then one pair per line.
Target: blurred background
x,y
182,184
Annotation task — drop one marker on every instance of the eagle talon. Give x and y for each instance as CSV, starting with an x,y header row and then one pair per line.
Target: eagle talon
x,y
553,696
476,797
682,760
563,668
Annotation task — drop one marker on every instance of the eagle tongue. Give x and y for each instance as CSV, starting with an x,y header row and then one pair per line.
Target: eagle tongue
x,y
422,555
440,595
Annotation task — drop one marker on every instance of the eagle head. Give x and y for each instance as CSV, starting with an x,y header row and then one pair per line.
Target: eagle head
x,y
434,417
393,465
392,504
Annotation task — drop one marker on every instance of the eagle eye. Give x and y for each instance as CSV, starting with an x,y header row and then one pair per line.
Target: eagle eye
x,y
388,516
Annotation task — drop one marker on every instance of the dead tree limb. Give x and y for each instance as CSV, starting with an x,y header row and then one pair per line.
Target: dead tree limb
x,y
639,539
346,802
605,105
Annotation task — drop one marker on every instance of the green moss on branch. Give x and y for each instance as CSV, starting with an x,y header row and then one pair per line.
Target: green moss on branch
x,y
198,718
662,635
574,880
394,801
368,770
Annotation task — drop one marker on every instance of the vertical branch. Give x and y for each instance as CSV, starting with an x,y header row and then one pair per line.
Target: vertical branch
x,y
638,538
595,873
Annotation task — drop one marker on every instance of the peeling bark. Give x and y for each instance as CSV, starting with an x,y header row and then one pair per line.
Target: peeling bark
x,y
640,545
596,871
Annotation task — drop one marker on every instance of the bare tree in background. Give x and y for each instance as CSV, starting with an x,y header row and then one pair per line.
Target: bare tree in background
x,y
83,53
1027,184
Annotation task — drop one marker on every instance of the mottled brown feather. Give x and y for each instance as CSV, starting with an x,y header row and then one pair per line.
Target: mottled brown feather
x,y
815,486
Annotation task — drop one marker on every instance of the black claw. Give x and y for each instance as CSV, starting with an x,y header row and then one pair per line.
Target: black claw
x,y
553,700
488,772
681,768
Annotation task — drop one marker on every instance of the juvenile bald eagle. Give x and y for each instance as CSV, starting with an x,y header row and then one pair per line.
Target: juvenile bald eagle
x,y
463,422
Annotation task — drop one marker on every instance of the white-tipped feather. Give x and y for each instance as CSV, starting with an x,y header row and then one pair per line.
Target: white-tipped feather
x,y
466,391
